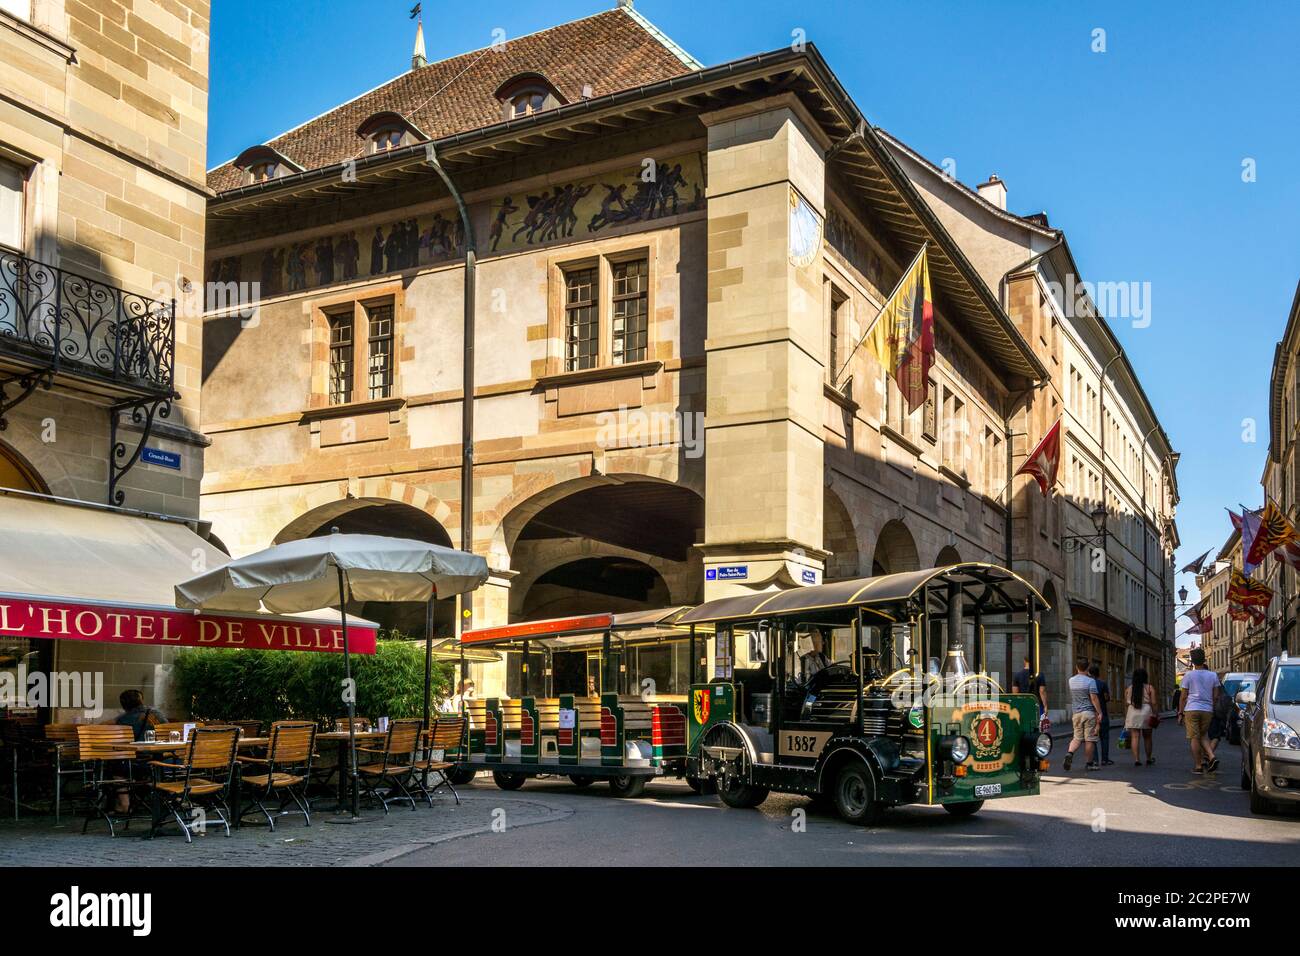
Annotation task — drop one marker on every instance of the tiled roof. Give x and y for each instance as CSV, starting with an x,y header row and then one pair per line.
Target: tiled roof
x,y
611,51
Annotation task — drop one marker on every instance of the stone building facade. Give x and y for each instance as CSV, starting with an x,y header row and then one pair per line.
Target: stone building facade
x,y
676,265
1112,591
1279,483
103,130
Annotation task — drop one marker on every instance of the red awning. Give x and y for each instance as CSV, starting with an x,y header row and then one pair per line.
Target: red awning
x,y
75,572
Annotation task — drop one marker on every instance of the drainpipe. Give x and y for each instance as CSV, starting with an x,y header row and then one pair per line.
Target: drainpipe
x,y
466,619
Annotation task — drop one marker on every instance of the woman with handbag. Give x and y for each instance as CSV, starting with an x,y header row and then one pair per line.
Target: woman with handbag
x,y
1141,718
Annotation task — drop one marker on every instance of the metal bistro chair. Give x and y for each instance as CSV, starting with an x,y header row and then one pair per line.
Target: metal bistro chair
x,y
19,738
447,734
66,756
283,772
100,746
202,781
395,763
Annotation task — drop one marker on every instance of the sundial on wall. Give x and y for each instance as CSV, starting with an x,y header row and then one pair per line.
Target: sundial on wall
x,y
805,230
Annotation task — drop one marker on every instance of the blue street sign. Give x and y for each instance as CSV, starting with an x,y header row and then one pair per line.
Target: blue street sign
x,y
733,572
809,577
165,459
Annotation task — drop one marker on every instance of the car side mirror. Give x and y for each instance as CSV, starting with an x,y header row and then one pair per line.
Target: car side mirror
x,y
1245,697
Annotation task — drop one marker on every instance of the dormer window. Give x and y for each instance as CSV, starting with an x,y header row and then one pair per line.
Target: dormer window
x,y
526,94
261,164
387,131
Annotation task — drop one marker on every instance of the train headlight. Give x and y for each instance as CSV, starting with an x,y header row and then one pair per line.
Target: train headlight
x,y
1043,746
960,749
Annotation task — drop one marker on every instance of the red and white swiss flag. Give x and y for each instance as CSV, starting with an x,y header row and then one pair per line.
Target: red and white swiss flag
x,y
1045,459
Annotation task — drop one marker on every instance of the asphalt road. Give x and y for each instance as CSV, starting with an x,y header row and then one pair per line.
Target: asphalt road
x,y
1148,816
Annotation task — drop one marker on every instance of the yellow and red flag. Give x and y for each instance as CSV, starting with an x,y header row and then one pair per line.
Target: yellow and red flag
x,y
1242,590
1045,460
903,336
1272,530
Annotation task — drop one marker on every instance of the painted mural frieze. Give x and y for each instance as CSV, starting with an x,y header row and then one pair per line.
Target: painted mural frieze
x,y
572,211
585,208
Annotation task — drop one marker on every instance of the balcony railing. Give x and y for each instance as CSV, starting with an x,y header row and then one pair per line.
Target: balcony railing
x,y
58,322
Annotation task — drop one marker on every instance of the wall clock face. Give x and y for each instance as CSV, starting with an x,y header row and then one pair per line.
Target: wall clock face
x,y
805,230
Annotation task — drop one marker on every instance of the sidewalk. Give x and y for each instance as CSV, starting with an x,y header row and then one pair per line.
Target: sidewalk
x,y
34,840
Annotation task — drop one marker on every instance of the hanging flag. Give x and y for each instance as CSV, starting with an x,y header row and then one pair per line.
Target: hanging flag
x,y
1247,592
1201,624
902,337
1289,554
1044,461
1273,531
1236,519
1240,612
1249,530
1195,567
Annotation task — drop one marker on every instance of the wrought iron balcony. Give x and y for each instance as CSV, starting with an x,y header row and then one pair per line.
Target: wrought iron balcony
x,y
57,325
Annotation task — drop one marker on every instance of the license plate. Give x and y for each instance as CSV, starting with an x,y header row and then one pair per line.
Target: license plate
x,y
988,790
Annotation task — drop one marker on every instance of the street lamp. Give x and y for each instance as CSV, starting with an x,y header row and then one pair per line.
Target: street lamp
x,y
1073,542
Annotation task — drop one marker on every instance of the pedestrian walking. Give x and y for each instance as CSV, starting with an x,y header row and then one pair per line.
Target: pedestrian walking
x,y
1201,689
1103,725
1085,712
1140,716
1025,681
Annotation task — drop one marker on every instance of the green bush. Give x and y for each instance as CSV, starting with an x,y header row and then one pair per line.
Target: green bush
x,y
281,685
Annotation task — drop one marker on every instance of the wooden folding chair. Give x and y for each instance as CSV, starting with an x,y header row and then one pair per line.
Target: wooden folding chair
x,y
202,781
395,763
447,734
283,772
101,746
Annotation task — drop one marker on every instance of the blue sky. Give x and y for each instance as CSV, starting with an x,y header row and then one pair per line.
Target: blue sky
x,y
1136,152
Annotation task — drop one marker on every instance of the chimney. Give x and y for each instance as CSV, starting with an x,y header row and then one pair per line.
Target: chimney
x,y
995,191
418,58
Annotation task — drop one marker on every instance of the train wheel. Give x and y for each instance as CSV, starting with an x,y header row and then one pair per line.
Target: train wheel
x,y
461,774
741,796
507,780
580,782
964,809
855,794
627,786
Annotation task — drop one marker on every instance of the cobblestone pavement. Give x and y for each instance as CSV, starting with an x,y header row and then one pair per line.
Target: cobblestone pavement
x,y
35,841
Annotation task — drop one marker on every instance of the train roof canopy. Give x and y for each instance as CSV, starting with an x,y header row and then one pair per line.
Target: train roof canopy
x,y
642,623
994,589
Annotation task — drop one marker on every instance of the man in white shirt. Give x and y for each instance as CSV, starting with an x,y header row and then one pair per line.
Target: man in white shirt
x,y
1201,688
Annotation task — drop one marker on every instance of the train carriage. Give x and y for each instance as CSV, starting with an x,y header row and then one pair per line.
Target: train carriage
x,y
597,697
859,691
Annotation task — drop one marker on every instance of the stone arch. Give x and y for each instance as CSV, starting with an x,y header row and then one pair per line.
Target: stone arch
x,y
684,583
533,492
840,538
326,502
895,550
947,555
18,473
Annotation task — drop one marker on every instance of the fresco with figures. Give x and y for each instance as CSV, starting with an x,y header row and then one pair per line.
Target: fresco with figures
x,y
588,207
561,213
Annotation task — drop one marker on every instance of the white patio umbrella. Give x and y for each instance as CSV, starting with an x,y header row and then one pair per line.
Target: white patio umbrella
x,y
314,573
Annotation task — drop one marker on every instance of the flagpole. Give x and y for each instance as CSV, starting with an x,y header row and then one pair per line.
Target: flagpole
x,y
889,298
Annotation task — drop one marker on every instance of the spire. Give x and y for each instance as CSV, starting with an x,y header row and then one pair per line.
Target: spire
x,y
418,58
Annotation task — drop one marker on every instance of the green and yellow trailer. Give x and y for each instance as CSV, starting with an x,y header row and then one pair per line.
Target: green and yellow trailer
x,y
596,697
859,691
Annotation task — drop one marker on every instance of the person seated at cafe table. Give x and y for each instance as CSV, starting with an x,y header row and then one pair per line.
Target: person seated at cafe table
x,y
139,718
135,714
